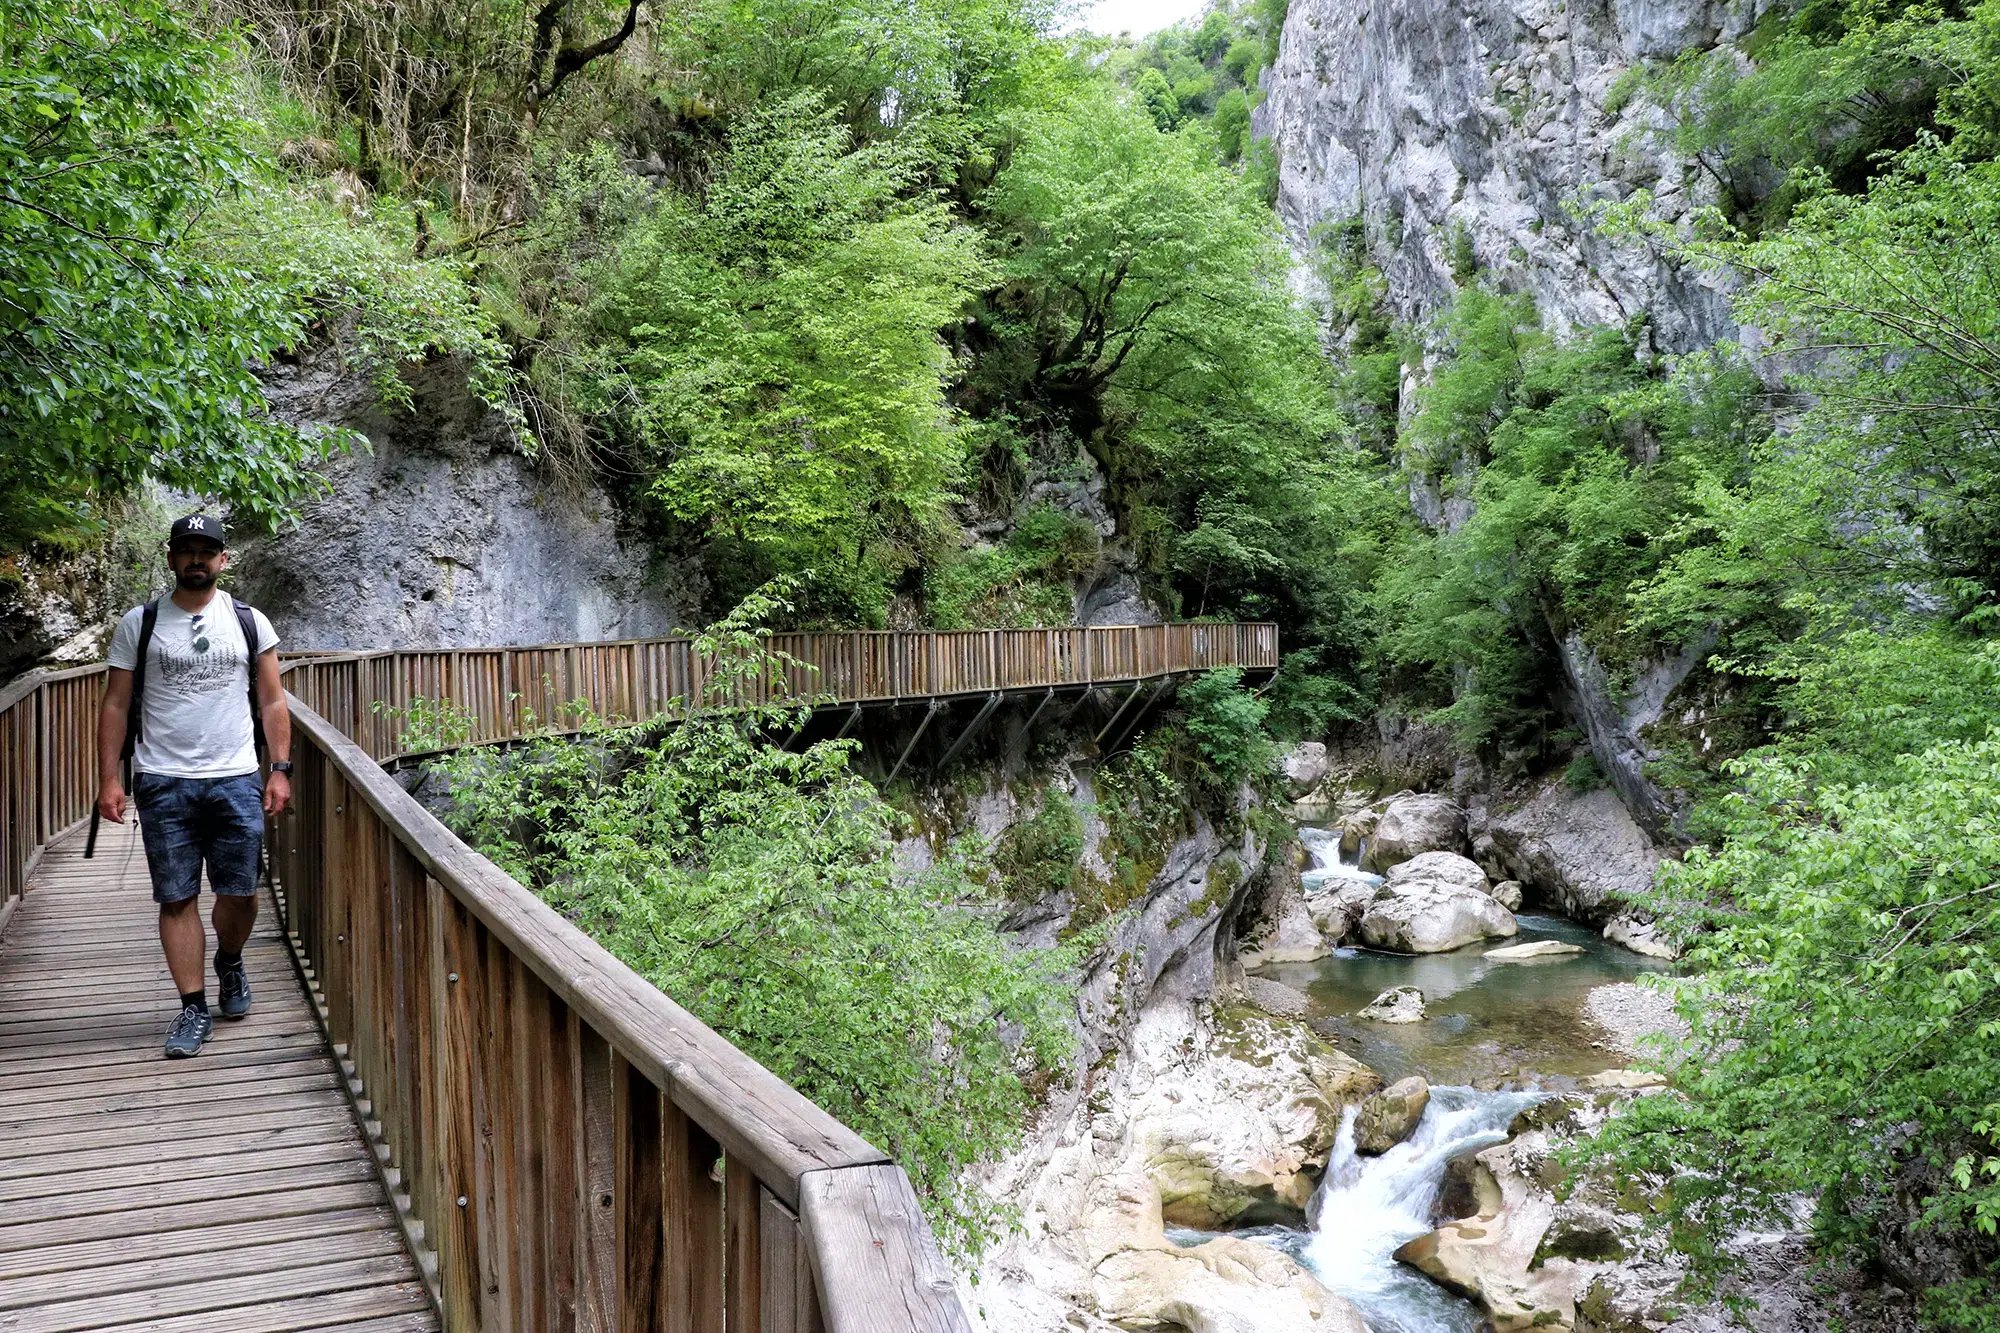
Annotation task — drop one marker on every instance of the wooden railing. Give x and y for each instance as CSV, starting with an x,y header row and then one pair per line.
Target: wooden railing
x,y
567,1147
48,767
581,1152
509,692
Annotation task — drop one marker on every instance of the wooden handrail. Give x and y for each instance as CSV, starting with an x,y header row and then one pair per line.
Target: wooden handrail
x,y
512,692
569,1148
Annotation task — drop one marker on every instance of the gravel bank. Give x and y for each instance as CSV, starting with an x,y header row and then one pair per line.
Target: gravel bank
x,y
1628,1012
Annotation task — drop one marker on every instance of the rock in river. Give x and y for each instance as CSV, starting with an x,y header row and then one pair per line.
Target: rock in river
x,y
1398,1004
1415,824
1391,1115
1444,867
1430,913
1642,937
1515,953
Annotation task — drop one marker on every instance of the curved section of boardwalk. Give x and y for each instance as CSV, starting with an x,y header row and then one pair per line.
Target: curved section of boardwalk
x,y
231,1192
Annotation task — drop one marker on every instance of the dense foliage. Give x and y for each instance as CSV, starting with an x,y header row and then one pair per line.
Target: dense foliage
x,y
961,321
756,886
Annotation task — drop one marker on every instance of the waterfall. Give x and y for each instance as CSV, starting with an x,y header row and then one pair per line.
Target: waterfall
x,y
1323,845
1368,1207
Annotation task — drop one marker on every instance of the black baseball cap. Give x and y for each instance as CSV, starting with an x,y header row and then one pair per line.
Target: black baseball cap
x,y
198,525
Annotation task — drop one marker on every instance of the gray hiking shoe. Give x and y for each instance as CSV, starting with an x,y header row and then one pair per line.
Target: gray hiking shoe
x,y
189,1031
234,998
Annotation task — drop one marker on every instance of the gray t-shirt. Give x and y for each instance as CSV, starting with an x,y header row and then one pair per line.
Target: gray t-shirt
x,y
195,714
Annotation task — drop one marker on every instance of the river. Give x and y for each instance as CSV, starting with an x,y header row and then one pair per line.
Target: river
x,y
1494,1033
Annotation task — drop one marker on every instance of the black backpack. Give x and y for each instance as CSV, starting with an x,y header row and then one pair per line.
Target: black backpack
x,y
245,621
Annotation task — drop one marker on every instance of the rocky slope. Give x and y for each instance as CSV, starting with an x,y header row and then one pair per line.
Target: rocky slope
x,y
1459,130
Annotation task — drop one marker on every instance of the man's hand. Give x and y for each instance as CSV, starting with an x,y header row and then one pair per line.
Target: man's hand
x,y
111,801
277,794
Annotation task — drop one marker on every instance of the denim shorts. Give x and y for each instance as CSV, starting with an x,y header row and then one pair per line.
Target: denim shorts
x,y
188,821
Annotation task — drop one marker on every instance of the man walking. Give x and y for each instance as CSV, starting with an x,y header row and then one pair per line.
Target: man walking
x,y
204,669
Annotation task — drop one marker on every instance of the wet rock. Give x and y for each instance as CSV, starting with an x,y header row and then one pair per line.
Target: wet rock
x,y
1556,1114
1431,915
1413,824
1516,953
1642,937
1225,1285
1391,1115
1488,1256
1276,998
1508,894
1398,1004
1337,906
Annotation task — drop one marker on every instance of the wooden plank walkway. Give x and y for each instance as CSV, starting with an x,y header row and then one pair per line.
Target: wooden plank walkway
x,y
231,1193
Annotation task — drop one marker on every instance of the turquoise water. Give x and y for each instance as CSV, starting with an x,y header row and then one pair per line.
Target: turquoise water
x,y
1485,1022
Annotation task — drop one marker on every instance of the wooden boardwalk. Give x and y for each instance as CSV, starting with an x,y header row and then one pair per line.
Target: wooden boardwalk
x,y
547,1143
233,1192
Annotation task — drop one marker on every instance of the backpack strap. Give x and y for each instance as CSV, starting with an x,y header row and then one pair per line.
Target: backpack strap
x,y
246,620
136,710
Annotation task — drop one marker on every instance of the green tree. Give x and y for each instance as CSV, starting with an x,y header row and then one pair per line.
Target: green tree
x,y
757,886
125,350
769,351
1232,123
1576,460
1843,1014
1157,95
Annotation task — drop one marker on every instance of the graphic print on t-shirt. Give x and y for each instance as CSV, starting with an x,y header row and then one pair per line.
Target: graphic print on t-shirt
x,y
187,669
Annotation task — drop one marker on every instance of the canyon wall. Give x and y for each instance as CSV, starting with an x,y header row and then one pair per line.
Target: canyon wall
x,y
1479,130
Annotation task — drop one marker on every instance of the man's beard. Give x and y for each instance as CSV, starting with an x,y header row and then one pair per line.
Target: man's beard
x,y
195,580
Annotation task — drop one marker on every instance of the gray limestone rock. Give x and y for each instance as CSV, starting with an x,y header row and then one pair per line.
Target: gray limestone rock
x,y
446,535
1398,1004
1413,824
1391,1115
1456,129
1445,867
1433,916
1580,850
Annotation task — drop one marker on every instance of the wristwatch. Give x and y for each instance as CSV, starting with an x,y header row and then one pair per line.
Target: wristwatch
x,y
282,766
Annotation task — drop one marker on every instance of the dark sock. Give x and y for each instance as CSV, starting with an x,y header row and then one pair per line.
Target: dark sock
x,y
224,961
197,999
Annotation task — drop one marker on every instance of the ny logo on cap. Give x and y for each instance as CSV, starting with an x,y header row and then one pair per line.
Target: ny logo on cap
x,y
197,525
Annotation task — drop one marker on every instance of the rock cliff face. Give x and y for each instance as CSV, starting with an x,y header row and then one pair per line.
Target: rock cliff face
x,y
1468,130
446,536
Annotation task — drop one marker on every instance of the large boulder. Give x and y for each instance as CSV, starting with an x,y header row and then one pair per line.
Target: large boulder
x,y
1337,905
1412,824
1445,867
1241,1140
1287,930
1490,1256
1581,850
1391,1115
1225,1285
1432,913
1303,767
